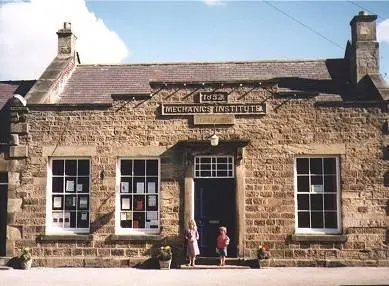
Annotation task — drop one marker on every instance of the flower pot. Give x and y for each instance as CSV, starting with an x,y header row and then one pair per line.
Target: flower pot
x,y
165,264
26,264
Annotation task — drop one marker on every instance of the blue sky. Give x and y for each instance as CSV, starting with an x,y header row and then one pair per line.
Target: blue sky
x,y
191,31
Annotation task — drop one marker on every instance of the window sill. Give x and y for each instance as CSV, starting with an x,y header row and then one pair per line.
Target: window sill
x,y
65,237
319,237
129,237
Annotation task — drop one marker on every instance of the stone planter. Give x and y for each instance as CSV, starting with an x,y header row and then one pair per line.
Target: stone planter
x,y
165,264
26,264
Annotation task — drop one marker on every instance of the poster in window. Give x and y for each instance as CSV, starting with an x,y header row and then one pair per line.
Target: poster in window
x,y
123,216
57,203
129,216
57,219
138,204
79,188
317,188
84,216
124,187
151,187
140,187
152,224
126,203
83,203
152,215
70,186
152,201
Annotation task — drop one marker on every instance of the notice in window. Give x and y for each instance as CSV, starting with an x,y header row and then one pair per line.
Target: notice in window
x,y
153,215
70,186
123,216
151,187
317,188
84,216
124,187
79,188
83,203
140,187
57,203
126,203
152,201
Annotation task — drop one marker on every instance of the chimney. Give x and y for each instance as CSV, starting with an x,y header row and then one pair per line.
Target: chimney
x,y
66,40
364,50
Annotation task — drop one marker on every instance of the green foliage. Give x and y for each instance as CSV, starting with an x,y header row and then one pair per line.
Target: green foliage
x,y
25,254
165,253
263,252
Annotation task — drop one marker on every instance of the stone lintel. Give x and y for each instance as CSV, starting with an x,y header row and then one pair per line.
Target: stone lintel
x,y
217,119
18,152
19,128
315,149
72,237
14,205
139,151
74,150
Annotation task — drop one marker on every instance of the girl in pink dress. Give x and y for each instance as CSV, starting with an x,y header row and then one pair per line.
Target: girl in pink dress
x,y
192,247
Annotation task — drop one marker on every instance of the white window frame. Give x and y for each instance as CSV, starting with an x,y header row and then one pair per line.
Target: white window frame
x,y
50,229
300,230
136,231
214,166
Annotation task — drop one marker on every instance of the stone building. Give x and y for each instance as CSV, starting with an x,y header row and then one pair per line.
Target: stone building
x,y
102,164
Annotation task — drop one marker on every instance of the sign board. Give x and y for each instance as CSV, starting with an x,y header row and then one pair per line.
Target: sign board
x,y
191,109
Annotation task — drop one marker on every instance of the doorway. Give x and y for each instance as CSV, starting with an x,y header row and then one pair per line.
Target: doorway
x,y
214,203
3,212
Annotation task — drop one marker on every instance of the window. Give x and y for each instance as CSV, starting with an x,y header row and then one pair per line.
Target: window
x,y
214,167
317,195
68,196
138,196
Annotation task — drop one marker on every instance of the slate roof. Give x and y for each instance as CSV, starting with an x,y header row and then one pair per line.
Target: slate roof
x,y
9,88
96,83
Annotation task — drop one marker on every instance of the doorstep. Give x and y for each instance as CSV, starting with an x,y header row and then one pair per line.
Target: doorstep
x,y
201,266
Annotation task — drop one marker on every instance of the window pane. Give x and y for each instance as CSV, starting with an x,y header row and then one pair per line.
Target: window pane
x,y
316,202
126,203
330,166
83,202
126,185
83,185
83,167
316,180
152,167
70,221
317,220
139,203
58,167
3,177
221,173
331,220
57,186
302,165
303,202
303,184
316,166
82,219
139,167
303,218
204,160
57,202
152,202
222,160
71,167
126,219
70,202
139,186
330,185
139,220
70,184
126,167
330,202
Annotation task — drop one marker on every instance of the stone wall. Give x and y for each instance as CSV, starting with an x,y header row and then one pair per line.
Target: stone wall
x,y
135,128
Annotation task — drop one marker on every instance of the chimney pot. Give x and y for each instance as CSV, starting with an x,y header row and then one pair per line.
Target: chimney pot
x,y
362,13
67,26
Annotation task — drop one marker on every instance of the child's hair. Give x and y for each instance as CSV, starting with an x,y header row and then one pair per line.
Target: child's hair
x,y
223,228
192,224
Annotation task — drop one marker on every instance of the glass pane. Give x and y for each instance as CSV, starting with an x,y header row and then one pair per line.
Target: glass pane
x,y
330,185
3,177
58,167
57,186
206,167
83,167
126,167
126,185
139,186
125,202
126,219
70,167
82,185
70,185
302,184
83,202
73,220
152,185
83,219
303,202
222,160
331,220
70,202
57,202
316,166
316,180
139,167
205,160
152,202
317,202
139,220
317,220
330,166
230,173
139,203
303,218
221,173
302,165
330,202
206,174
152,167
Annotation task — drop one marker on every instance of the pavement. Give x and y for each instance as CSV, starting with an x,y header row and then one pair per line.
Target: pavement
x,y
342,276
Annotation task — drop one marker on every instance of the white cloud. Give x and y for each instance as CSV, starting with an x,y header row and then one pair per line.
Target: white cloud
x,y
383,31
214,2
28,39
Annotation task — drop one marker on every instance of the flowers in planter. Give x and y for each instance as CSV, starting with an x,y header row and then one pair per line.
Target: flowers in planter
x,y
165,253
263,252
